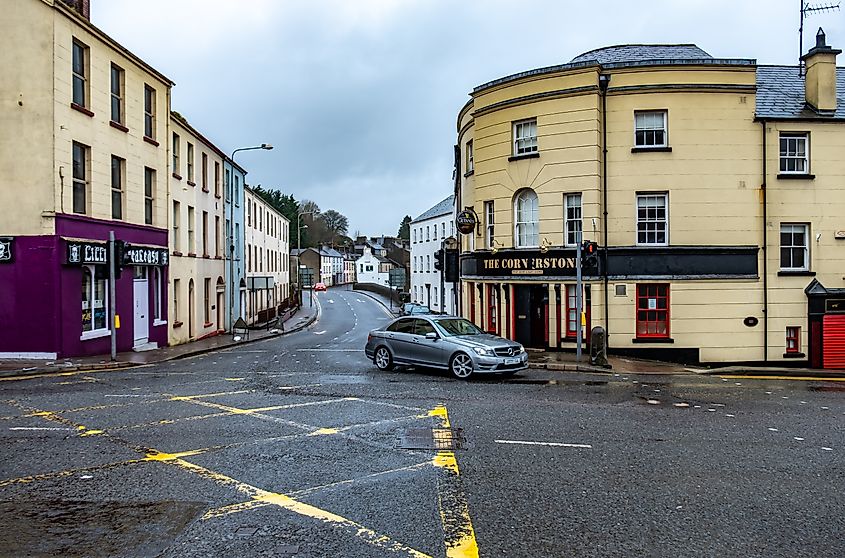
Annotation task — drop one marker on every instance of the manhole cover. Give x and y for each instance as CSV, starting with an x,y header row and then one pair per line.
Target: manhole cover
x,y
432,439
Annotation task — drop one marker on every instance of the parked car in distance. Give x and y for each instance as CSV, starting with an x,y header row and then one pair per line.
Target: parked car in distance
x,y
446,342
320,287
413,308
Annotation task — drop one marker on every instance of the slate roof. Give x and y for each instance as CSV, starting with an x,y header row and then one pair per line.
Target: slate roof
x,y
637,53
780,94
443,208
331,252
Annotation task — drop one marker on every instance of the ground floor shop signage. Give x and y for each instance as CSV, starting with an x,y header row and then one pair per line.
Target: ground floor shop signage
x,y
141,255
520,262
6,250
82,253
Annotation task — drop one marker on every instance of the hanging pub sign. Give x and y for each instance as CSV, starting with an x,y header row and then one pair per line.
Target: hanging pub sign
x,y
466,221
6,249
82,253
142,255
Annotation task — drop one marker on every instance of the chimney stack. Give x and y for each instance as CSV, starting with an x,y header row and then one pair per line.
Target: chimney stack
x,y
820,76
82,7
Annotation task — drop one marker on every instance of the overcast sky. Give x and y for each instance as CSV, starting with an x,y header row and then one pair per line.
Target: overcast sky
x,y
360,97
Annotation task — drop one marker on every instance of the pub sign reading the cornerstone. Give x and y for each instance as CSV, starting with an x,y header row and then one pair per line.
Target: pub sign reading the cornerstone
x,y
554,263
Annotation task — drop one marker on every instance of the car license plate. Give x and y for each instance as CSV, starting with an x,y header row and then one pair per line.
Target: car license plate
x,y
511,361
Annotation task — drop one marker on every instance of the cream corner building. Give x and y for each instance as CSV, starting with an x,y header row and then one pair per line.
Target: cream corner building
x,y
712,186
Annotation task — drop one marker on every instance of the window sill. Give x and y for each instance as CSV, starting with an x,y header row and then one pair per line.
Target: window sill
x,y
467,174
207,324
205,189
94,334
796,273
81,109
218,196
177,324
796,176
652,340
176,176
659,149
157,323
150,140
794,355
177,253
191,255
206,256
218,257
535,155
191,183
118,126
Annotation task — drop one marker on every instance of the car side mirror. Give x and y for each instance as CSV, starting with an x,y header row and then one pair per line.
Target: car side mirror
x,y
431,335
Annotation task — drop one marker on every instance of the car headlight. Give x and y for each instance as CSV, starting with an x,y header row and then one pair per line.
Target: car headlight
x,y
483,351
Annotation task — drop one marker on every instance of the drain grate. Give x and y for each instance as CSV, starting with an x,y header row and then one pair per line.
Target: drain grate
x,y
432,439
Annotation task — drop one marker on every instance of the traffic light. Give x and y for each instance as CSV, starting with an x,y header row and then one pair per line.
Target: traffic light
x,y
120,248
589,255
438,260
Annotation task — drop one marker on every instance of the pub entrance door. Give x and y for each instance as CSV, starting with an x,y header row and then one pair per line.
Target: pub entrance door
x,y
530,307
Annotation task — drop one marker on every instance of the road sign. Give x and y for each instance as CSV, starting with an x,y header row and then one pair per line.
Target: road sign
x,y
307,278
397,277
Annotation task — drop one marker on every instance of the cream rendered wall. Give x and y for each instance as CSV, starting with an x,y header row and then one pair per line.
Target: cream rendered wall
x,y
199,267
104,140
276,240
26,119
820,202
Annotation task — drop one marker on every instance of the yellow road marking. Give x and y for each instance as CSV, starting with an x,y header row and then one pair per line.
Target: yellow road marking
x,y
155,455
458,532
204,395
286,502
789,378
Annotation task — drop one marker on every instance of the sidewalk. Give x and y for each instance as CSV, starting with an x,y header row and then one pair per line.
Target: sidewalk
x,y
393,308
302,319
565,361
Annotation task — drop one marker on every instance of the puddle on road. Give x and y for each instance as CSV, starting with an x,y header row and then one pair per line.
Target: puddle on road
x,y
79,528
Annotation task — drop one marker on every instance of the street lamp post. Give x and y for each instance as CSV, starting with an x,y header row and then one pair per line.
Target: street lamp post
x,y
233,193
299,250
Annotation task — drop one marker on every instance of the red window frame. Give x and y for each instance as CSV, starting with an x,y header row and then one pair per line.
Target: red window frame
x,y
793,339
492,310
653,323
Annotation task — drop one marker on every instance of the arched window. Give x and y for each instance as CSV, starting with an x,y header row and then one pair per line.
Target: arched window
x,y
526,227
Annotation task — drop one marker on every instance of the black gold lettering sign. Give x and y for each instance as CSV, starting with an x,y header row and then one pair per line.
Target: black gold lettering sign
x,y
554,263
465,221
139,255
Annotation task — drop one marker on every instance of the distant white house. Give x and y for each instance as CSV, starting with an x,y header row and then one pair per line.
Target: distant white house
x,y
428,231
371,268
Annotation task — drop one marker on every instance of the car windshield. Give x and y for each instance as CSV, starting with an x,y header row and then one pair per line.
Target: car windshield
x,y
457,326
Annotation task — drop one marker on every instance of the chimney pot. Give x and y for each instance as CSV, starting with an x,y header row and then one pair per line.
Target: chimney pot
x,y
820,38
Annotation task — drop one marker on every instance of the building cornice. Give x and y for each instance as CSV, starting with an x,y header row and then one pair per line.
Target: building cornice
x,y
544,96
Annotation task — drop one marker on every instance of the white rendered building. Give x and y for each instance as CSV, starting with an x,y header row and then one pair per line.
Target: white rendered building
x,y
428,231
267,254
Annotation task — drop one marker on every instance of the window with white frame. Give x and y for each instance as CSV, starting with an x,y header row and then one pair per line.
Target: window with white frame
x,y
489,224
95,303
81,159
526,225
442,230
427,233
177,220
572,223
653,219
117,172
794,248
415,236
149,112
470,162
525,137
650,128
79,70
175,161
428,264
116,90
794,153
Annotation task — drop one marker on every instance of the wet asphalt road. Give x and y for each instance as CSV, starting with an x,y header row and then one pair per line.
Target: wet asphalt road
x,y
298,446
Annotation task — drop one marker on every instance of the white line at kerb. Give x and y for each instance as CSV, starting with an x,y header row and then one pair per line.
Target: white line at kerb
x,y
552,444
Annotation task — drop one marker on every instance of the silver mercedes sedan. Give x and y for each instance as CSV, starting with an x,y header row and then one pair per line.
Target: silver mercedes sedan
x,y
444,342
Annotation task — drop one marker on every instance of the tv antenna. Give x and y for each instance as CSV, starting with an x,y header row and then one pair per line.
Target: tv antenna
x,y
808,9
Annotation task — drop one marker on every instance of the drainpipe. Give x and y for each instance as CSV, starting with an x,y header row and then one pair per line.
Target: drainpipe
x,y
604,82
765,256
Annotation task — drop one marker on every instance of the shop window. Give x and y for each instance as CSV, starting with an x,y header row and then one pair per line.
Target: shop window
x,y
157,294
793,339
526,226
652,311
571,311
492,309
95,311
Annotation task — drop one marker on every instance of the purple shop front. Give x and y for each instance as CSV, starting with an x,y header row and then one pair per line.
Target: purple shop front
x,y
54,298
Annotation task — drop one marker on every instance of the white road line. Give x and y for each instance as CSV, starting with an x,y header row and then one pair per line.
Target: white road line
x,y
37,428
553,444
319,332
331,350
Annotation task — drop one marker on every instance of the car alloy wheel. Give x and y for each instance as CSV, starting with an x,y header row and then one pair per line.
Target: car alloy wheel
x,y
461,366
383,359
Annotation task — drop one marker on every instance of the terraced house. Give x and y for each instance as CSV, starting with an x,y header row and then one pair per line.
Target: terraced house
x,y
712,186
83,146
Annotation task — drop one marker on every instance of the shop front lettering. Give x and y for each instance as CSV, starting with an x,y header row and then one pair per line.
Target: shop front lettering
x,y
529,264
95,254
